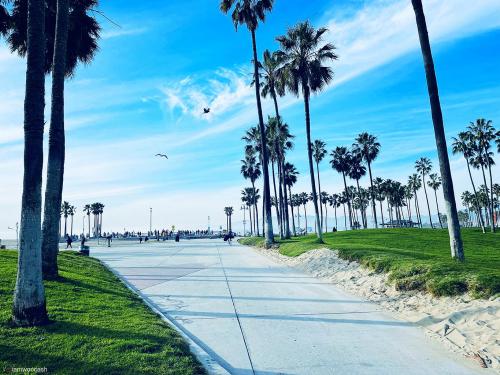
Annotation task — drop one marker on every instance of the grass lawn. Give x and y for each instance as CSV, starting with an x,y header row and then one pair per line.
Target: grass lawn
x,y
416,259
98,326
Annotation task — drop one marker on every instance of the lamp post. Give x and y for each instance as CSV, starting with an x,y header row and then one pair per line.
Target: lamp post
x,y
150,220
17,235
243,207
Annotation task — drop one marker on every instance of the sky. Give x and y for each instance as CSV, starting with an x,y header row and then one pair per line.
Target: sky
x,y
145,91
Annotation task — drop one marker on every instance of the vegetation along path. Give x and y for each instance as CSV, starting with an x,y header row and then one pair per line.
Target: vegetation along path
x,y
100,327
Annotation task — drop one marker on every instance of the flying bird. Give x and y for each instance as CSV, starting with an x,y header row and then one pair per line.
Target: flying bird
x,y
206,110
162,156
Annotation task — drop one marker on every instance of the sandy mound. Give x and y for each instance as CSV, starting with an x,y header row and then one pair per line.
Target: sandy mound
x,y
462,324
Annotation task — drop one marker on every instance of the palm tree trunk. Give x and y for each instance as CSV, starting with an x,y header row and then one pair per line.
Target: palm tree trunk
x,y
278,217
65,225
348,200
437,207
373,195
88,216
319,188
291,208
29,295
55,165
456,245
311,167
381,212
427,200
305,216
284,207
266,193
492,209
326,218
361,209
71,225
336,224
251,223
280,200
345,217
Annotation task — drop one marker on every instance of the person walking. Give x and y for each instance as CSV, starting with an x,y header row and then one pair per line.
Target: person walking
x,y
69,241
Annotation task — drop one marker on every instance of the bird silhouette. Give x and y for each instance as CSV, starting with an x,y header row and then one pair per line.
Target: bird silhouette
x,y
206,110
162,156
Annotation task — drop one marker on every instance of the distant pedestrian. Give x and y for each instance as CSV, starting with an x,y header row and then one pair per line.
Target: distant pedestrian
x,y
140,239
109,240
69,241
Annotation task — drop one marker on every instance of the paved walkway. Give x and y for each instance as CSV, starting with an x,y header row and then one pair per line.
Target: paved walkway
x,y
254,316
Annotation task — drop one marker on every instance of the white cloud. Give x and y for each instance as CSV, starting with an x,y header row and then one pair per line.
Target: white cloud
x,y
123,31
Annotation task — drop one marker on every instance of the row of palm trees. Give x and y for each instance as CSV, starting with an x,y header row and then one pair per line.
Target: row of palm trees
x,y
476,205
96,209
302,66
476,144
67,210
229,213
54,36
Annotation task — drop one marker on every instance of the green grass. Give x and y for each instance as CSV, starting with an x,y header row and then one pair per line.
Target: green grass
x,y
416,259
98,326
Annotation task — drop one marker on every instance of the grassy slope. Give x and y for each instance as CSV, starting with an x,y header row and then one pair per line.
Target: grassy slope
x,y
99,326
414,258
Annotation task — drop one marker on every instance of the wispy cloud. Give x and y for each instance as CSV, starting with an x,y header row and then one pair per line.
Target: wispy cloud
x,y
123,31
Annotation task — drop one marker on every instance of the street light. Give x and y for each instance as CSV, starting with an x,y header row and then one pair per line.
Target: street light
x,y
17,235
244,208
150,220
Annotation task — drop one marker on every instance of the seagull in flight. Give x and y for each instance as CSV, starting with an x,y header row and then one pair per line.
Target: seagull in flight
x,y
206,110
162,156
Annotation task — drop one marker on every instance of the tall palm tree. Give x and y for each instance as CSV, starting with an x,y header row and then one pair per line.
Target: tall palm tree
x,y
250,13
456,244
341,161
273,81
229,212
335,202
319,153
324,199
356,171
368,148
462,144
304,199
434,183
379,195
424,167
71,37
484,133
65,209
72,211
290,174
87,210
248,197
250,169
29,306
305,63
415,184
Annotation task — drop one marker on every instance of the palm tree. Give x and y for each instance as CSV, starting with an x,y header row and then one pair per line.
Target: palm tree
x,y
4,19
324,199
341,161
304,60
434,183
335,202
29,295
379,194
229,212
484,132
424,166
356,171
304,199
462,144
273,82
456,244
250,169
368,148
248,197
87,210
71,37
250,12
319,153
415,184
65,209
72,211
290,174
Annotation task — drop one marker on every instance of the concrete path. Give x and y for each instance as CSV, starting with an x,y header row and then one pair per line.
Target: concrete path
x,y
254,316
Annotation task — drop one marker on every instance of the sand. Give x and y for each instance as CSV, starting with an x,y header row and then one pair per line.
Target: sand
x,y
463,324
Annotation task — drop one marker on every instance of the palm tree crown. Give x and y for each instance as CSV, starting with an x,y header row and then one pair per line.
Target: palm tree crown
x,y
247,12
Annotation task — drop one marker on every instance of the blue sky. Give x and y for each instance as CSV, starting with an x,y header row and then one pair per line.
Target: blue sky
x,y
145,91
